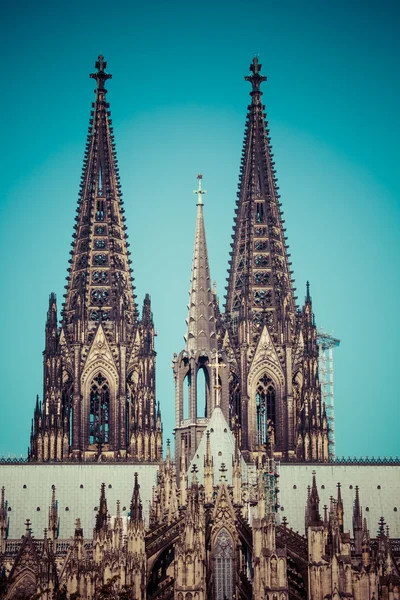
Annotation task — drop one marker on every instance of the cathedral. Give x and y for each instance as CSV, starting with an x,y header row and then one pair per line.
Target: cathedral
x,y
252,504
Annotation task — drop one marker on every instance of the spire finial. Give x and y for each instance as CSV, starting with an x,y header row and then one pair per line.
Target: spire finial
x,y
255,79
308,297
100,76
199,190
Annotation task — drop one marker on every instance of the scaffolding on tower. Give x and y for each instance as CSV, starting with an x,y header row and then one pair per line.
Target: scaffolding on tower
x,y
326,343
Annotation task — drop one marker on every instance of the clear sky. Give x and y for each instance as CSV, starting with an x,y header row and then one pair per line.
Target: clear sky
x,y
178,101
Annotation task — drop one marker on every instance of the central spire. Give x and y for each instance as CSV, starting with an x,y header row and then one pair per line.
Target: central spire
x,y
200,361
201,319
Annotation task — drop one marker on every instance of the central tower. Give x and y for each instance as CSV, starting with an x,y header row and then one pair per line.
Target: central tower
x,y
99,366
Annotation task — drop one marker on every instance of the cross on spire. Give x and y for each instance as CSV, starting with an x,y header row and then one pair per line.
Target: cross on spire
x,y
199,190
255,79
100,76
217,385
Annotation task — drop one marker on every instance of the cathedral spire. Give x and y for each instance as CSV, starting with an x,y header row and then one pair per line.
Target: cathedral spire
x,y
99,285
259,288
201,319
201,358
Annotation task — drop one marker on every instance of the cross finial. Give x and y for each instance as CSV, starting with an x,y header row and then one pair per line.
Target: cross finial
x,y
255,79
199,190
217,385
100,76
308,297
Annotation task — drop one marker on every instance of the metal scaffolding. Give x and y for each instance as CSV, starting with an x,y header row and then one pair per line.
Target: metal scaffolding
x,y
326,343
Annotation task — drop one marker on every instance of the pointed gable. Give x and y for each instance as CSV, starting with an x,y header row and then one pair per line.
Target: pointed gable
x,y
100,354
265,357
223,509
222,448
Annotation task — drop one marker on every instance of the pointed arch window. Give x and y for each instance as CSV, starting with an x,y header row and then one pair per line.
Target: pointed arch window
x,y
234,399
224,557
67,404
99,410
266,409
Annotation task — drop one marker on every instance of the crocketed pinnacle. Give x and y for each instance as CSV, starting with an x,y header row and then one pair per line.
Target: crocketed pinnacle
x,y
201,319
102,515
313,515
260,287
99,282
136,513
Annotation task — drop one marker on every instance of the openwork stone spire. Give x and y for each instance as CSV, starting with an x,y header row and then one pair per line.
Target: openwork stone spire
x,y
201,319
264,332
259,281
99,366
99,283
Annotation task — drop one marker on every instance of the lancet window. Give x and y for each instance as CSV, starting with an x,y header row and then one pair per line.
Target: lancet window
x,y
67,403
234,399
99,410
266,409
224,557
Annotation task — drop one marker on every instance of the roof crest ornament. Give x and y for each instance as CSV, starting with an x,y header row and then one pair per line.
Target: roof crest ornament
x,y
199,190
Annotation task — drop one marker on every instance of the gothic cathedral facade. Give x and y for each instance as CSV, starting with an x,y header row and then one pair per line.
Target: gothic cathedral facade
x,y
208,522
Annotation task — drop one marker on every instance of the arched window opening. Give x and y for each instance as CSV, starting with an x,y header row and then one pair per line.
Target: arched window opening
x,y
67,402
187,384
223,575
201,393
265,406
99,410
234,399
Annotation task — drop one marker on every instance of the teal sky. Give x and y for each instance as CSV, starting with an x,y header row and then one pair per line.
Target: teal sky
x,y
179,101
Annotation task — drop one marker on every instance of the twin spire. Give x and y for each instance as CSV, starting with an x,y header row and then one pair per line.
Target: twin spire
x,y
99,283
260,288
